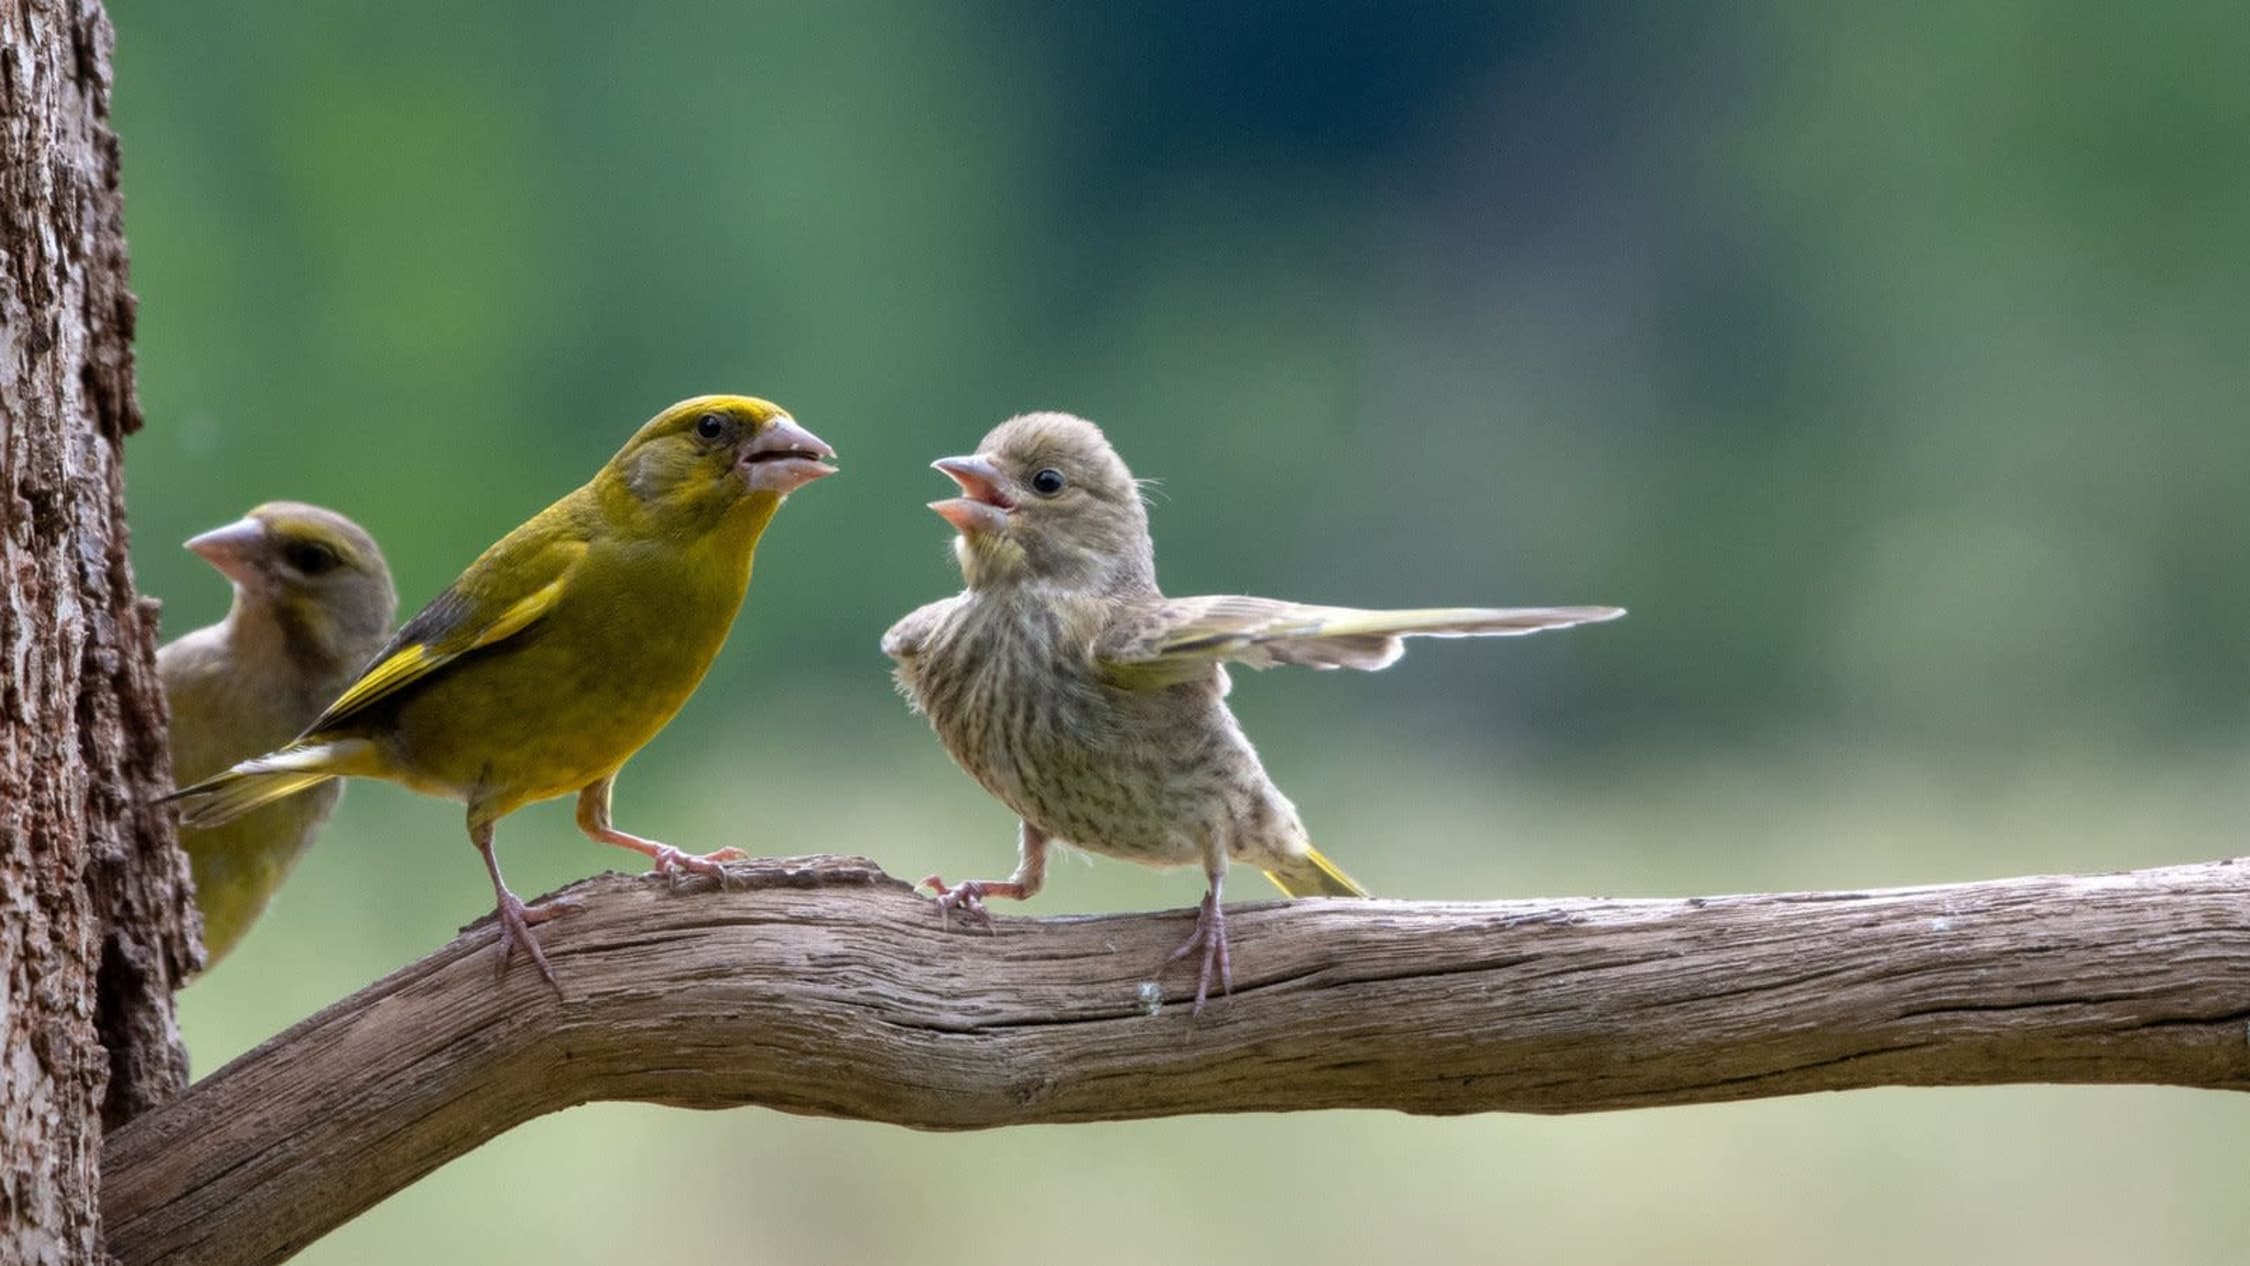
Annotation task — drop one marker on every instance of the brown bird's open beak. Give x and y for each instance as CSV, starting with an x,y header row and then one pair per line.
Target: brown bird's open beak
x,y
983,505
783,457
233,549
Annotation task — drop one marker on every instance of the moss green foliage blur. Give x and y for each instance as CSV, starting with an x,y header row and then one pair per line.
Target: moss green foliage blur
x,y
1887,361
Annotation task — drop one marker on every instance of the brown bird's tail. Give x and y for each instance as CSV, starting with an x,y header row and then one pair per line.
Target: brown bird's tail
x,y
1314,876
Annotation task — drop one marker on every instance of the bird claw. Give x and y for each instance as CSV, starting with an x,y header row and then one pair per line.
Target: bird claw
x,y
966,896
1211,937
669,862
516,922
551,908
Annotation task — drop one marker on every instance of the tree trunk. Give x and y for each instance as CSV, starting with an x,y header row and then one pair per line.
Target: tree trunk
x,y
95,924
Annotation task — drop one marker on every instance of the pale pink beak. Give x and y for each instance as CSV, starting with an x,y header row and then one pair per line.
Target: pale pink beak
x,y
984,505
783,457
233,549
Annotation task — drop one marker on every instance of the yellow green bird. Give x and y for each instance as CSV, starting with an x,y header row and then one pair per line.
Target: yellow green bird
x,y
1064,681
312,604
563,648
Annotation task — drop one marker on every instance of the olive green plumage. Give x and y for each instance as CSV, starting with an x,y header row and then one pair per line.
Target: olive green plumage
x,y
312,604
1067,684
563,648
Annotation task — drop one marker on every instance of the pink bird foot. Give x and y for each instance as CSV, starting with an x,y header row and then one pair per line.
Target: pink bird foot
x,y
1211,937
668,861
968,897
516,922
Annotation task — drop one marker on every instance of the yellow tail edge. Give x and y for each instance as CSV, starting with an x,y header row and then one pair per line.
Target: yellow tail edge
x,y
219,800
1315,876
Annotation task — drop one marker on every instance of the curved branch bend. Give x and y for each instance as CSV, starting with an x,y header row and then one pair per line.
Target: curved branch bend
x,y
820,985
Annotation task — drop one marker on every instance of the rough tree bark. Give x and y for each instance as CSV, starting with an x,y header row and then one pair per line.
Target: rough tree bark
x,y
95,923
821,986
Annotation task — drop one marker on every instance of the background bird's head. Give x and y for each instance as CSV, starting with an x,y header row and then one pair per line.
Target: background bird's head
x,y
315,575
1046,498
703,457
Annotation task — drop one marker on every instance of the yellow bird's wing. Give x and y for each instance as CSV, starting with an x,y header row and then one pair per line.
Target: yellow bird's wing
x,y
503,593
1167,640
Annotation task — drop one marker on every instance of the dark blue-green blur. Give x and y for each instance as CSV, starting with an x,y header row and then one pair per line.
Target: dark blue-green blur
x,y
1889,362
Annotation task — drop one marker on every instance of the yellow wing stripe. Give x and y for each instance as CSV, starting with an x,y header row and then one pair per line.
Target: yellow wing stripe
x,y
404,666
411,663
516,618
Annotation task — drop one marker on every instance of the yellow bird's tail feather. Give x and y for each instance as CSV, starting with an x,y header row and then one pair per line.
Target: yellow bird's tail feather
x,y
230,795
1314,876
262,780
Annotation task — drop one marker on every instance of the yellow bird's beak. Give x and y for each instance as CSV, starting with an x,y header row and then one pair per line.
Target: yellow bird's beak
x,y
783,457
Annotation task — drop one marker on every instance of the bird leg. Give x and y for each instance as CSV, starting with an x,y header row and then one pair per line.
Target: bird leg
x,y
593,819
516,918
1211,937
968,895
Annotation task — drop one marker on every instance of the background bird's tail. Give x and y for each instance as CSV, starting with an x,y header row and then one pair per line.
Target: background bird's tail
x,y
1314,876
258,781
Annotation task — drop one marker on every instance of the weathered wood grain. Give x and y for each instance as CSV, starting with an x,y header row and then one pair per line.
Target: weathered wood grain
x,y
822,986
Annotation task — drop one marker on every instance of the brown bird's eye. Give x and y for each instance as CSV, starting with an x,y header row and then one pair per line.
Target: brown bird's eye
x,y
710,426
1047,482
309,558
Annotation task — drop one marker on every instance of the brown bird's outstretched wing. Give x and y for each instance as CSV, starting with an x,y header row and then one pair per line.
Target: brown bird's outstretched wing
x,y
1167,640
503,593
904,639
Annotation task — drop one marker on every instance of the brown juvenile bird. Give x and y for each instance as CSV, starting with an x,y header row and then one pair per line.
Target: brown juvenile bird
x,y
564,647
312,604
1093,706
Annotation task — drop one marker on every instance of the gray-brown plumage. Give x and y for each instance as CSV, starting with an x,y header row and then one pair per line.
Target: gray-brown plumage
x,y
312,604
1093,706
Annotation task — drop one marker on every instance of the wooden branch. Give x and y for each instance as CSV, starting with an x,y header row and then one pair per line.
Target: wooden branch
x,y
822,986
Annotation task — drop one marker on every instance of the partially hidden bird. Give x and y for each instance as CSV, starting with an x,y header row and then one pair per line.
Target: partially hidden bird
x,y
1065,682
313,602
563,648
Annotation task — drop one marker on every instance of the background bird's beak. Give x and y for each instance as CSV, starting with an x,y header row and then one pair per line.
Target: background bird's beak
x,y
234,549
984,506
783,457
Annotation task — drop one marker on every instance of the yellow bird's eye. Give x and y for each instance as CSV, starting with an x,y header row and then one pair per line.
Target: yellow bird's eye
x,y
710,426
1047,482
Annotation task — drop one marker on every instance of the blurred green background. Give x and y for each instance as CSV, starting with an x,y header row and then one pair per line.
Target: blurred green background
x,y
1887,361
